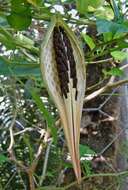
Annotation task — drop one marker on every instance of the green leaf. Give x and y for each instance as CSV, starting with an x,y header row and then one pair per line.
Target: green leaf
x,y
114,72
48,117
19,6
110,26
123,45
108,36
84,149
105,12
89,41
3,159
119,55
19,22
20,17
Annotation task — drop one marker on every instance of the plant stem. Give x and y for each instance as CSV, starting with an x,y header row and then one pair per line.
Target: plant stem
x,y
31,180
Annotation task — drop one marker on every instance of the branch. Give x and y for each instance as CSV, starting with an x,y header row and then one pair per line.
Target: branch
x,y
31,180
109,86
99,61
11,133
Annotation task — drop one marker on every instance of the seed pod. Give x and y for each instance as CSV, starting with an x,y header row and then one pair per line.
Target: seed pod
x,y
63,70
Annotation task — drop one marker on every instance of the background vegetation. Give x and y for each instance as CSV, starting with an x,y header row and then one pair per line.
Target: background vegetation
x,y
35,156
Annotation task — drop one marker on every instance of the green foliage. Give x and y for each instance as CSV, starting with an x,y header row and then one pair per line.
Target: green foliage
x,y
87,167
88,5
104,26
86,150
3,159
35,2
119,55
20,17
89,41
113,72
49,118
22,68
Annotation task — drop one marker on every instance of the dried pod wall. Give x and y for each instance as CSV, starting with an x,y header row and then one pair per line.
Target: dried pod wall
x,y
63,70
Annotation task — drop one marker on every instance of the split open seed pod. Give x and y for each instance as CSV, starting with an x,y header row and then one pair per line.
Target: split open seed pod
x,y
63,70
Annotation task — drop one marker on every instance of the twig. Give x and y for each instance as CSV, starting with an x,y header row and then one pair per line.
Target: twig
x,y
33,166
11,133
24,130
18,163
11,140
45,163
99,61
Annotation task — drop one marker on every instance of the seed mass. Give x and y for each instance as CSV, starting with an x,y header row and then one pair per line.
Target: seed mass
x,y
64,57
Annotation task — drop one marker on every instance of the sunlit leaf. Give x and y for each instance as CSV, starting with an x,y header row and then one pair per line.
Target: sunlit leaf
x,y
84,150
119,55
114,72
104,12
108,36
84,5
89,41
